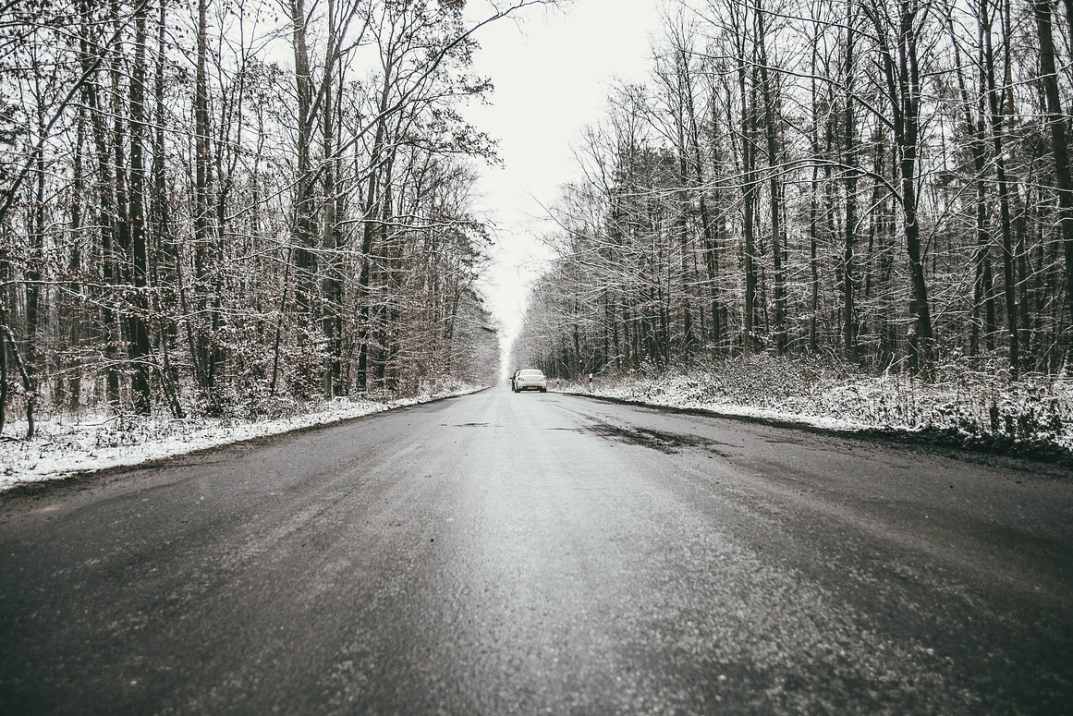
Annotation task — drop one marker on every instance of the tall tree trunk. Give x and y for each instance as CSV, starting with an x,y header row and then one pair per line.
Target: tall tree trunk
x,y
814,201
304,228
140,349
33,269
814,265
711,246
164,256
370,230
1056,118
849,313
771,135
332,239
122,257
749,190
203,343
685,206
304,221
78,183
995,116
105,194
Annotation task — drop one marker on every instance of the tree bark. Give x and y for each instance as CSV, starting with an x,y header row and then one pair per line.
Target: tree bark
x,y
749,189
140,349
849,272
771,135
1056,119
994,97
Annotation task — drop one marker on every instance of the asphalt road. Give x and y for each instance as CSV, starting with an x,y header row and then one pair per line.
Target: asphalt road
x,y
526,554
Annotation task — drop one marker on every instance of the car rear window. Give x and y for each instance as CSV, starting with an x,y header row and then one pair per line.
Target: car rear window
x,y
532,373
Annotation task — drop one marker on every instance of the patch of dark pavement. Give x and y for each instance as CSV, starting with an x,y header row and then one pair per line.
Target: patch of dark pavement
x,y
667,443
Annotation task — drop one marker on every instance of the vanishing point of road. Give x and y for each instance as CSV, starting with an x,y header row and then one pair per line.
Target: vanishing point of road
x,y
543,554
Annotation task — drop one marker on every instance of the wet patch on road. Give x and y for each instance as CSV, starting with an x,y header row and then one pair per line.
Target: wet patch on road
x,y
667,443
786,441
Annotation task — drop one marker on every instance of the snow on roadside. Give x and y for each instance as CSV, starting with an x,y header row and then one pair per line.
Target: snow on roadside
x,y
101,442
960,406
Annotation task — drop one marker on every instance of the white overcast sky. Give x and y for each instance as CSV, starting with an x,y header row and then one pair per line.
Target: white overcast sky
x,y
552,70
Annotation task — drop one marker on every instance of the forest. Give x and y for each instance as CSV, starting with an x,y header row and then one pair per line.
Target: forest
x,y
208,207
879,184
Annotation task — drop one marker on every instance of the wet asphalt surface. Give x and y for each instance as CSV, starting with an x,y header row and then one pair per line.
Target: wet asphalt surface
x,y
531,554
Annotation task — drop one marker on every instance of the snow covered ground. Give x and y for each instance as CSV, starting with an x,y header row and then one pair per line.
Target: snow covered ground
x,y
62,448
1032,416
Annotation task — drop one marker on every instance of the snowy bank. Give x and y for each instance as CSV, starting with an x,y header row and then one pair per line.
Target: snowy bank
x,y
982,410
93,443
